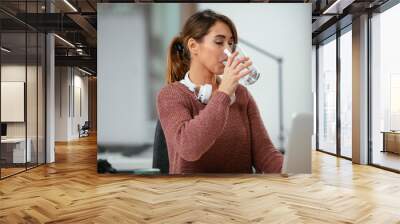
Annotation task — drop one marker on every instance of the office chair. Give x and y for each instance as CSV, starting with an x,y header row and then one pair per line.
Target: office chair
x,y
84,130
160,150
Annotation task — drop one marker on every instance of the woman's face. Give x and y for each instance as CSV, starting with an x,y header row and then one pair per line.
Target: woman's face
x,y
210,51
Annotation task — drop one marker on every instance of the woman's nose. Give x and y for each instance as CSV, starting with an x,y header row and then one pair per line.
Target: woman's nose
x,y
229,47
224,57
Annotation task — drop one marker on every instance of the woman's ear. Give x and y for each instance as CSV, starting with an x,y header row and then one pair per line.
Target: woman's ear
x,y
193,46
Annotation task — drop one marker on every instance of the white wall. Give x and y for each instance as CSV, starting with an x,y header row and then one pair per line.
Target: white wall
x,y
15,72
67,80
61,103
283,30
81,81
123,111
33,126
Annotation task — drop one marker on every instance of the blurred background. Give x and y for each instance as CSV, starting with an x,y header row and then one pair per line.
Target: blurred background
x,y
133,40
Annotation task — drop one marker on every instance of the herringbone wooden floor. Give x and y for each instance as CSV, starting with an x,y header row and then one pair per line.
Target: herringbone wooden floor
x,y
70,191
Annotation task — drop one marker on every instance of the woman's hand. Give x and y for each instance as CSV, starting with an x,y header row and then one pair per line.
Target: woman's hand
x,y
233,72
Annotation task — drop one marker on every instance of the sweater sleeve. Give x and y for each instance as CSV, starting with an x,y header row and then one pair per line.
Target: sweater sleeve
x,y
264,155
191,136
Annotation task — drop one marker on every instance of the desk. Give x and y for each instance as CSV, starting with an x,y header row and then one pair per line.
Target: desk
x,y
13,150
391,141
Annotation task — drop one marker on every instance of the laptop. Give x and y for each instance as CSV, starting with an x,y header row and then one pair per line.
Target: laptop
x,y
297,158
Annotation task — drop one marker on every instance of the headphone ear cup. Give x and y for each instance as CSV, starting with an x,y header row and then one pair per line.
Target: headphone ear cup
x,y
205,93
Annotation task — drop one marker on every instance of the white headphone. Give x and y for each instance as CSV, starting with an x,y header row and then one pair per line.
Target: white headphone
x,y
205,91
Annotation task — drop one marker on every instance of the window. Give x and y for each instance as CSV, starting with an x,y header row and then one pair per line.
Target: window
x,y
327,96
385,89
346,94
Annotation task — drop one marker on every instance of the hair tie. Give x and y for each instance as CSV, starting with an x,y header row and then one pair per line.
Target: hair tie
x,y
179,47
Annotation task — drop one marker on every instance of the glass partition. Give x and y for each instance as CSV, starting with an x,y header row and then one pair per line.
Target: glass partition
x,y
22,88
14,153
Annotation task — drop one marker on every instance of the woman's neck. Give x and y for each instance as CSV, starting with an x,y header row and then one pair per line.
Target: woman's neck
x,y
200,76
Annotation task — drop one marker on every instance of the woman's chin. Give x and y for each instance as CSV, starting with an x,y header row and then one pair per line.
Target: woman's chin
x,y
220,70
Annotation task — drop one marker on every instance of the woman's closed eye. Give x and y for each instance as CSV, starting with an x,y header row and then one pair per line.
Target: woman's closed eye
x,y
222,43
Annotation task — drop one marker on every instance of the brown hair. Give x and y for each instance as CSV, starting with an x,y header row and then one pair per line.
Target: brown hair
x,y
196,27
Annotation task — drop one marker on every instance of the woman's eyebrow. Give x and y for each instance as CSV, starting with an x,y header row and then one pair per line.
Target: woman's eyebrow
x,y
222,36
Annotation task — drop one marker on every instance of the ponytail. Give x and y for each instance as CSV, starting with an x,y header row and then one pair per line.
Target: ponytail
x,y
178,61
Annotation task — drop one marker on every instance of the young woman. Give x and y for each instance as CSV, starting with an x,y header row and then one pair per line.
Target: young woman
x,y
212,125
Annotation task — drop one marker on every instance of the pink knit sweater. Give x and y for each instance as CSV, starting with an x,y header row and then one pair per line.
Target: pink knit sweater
x,y
217,137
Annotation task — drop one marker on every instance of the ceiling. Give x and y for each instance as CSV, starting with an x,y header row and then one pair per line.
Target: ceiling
x,y
332,15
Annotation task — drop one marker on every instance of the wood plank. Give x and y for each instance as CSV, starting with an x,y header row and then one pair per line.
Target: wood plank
x,y
71,191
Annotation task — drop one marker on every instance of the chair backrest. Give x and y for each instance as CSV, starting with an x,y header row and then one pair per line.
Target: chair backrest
x,y
160,152
86,125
